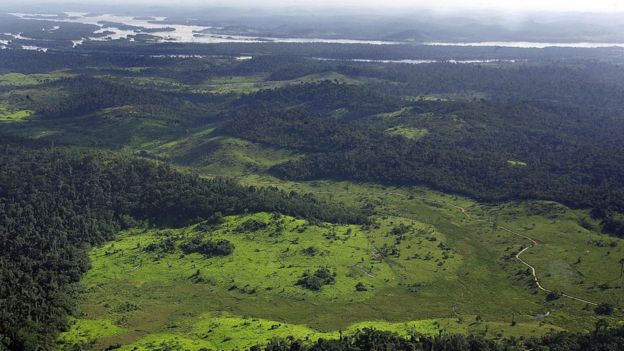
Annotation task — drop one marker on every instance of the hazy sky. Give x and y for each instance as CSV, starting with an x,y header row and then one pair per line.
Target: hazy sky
x,y
511,5
504,5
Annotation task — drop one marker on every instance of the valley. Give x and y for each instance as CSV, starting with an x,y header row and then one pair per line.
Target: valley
x,y
491,293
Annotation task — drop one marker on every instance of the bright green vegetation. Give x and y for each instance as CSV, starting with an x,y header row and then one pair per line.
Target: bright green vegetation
x,y
516,163
333,76
410,133
84,331
224,84
269,261
261,274
9,114
215,154
19,79
250,84
570,258
394,114
239,85
224,332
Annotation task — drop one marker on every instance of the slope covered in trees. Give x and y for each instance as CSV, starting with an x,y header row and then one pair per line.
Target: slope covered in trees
x,y
54,203
512,146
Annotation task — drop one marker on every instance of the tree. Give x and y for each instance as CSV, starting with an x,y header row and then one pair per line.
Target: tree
x,y
553,295
315,281
604,309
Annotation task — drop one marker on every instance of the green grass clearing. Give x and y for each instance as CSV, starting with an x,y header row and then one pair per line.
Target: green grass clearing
x,y
407,132
516,163
10,114
20,79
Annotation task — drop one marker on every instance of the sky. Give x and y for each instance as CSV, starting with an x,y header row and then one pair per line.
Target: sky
x,y
504,5
608,6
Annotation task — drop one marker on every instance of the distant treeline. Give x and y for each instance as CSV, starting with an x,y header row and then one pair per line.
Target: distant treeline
x,y
601,339
29,61
136,54
353,51
54,203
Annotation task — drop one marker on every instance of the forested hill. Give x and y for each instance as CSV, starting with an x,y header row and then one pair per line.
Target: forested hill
x,y
508,144
54,203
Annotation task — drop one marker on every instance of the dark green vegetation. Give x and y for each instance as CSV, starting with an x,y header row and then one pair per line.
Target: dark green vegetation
x,y
601,339
115,162
208,248
315,280
558,130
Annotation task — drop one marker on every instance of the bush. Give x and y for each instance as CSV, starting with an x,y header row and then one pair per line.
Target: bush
x,y
400,230
251,225
164,245
315,281
553,295
208,248
604,309
310,251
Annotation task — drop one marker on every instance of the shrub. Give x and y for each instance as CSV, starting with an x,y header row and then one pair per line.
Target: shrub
x,y
310,251
315,281
251,225
208,248
553,295
400,230
164,245
604,309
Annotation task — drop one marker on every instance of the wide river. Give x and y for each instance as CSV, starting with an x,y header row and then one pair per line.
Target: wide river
x,y
113,27
166,32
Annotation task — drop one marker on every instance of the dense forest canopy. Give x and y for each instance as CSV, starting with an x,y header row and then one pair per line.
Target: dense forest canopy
x,y
470,145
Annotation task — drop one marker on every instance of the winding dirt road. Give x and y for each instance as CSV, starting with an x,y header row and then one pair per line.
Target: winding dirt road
x,y
539,285
533,244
